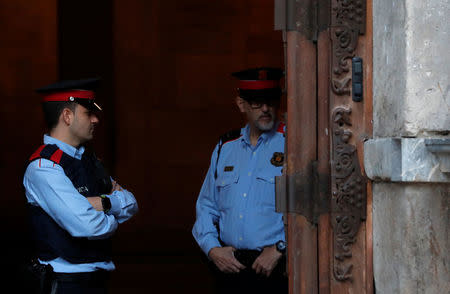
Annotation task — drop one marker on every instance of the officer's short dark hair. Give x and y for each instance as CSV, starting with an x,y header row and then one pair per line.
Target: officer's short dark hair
x,y
52,111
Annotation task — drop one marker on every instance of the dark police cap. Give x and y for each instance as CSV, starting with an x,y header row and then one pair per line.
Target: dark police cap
x,y
79,91
259,83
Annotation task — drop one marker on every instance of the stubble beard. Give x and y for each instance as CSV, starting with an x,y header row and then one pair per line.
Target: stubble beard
x,y
265,127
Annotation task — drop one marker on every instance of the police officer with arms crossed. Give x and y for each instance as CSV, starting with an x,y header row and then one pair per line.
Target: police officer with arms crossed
x,y
74,205
237,226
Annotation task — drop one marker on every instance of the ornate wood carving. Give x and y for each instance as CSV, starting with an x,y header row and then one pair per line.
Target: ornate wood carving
x,y
348,202
348,19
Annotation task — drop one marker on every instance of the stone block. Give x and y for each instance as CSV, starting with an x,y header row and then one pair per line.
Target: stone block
x,y
407,160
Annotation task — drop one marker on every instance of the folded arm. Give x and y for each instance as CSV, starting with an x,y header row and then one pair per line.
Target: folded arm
x,y
47,186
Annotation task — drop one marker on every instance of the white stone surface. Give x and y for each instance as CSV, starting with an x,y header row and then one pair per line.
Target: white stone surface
x,y
411,238
411,68
411,102
389,67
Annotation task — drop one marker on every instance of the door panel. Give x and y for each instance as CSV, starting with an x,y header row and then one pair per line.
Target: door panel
x,y
329,213
301,149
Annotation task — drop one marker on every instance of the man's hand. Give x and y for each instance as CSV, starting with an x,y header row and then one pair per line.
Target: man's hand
x,y
266,261
115,187
96,202
224,259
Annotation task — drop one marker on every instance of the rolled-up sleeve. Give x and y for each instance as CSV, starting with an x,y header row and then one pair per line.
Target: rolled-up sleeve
x,y
123,205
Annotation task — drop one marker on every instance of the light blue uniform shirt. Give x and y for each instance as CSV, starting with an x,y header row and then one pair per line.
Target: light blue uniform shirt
x,y
47,186
242,200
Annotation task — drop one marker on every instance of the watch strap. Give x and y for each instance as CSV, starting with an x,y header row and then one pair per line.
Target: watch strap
x,y
106,203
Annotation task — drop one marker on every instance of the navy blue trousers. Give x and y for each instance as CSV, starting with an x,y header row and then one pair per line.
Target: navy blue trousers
x,y
86,283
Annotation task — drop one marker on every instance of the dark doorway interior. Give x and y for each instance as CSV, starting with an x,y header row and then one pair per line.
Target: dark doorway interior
x,y
168,95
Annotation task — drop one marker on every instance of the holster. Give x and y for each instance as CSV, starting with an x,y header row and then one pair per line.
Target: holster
x,y
42,275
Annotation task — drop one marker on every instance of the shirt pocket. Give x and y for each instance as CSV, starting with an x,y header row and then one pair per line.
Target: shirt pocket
x,y
225,185
265,189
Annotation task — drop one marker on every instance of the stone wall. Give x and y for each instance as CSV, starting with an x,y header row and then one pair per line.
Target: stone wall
x,y
411,72
409,157
411,238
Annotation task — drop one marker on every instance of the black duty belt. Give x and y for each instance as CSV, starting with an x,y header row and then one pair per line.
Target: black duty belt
x,y
246,257
96,276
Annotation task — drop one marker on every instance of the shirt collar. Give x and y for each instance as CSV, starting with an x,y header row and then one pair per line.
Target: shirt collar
x,y
66,148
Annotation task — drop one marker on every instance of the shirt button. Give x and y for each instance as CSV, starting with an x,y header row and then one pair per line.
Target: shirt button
x,y
249,174
223,183
240,216
254,152
245,194
240,238
271,180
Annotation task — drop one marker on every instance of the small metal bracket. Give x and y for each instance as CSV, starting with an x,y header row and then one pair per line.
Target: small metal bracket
x,y
300,193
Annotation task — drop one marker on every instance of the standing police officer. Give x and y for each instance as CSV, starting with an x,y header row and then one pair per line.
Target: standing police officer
x,y
74,205
237,226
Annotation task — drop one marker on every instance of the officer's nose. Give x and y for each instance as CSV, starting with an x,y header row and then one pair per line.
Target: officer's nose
x,y
264,107
94,118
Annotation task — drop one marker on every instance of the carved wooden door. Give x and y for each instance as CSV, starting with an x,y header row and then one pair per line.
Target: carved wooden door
x,y
323,192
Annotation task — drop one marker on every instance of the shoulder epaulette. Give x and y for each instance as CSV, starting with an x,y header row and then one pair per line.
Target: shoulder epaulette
x,y
281,128
227,137
50,152
230,136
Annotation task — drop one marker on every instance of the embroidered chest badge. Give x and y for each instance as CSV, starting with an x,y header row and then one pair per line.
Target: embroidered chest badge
x,y
277,159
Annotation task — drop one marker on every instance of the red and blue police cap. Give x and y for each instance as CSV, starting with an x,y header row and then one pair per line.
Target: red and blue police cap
x,y
78,91
259,83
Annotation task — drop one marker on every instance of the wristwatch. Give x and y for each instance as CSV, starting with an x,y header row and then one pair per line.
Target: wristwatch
x,y
281,246
106,203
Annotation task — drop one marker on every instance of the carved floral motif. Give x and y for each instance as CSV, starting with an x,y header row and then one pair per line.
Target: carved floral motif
x,y
348,21
348,201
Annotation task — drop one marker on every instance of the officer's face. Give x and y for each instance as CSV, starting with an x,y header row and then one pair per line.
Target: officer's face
x,y
259,115
83,124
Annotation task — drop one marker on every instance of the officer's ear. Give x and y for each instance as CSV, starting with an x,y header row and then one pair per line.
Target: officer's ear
x,y
67,116
240,104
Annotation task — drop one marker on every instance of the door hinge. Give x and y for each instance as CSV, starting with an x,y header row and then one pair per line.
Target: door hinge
x,y
304,193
